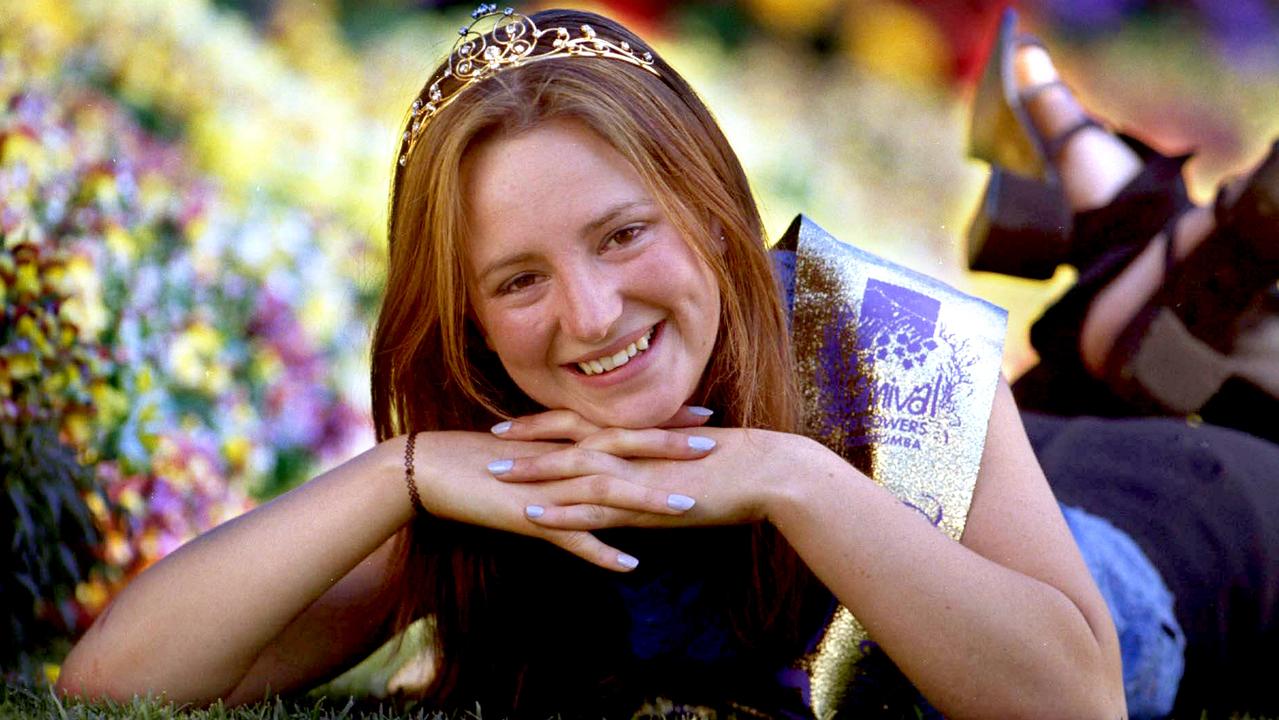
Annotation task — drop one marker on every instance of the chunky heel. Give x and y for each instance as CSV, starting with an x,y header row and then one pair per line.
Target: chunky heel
x,y
1021,228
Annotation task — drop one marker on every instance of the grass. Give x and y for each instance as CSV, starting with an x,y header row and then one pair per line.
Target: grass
x,y
33,701
23,702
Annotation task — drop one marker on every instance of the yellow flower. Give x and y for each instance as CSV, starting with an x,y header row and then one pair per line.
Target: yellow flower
x,y
111,404
19,148
78,427
93,595
796,17
27,280
120,242
102,188
83,306
97,506
27,328
53,383
144,379
898,41
116,549
131,500
193,357
236,450
23,366
267,365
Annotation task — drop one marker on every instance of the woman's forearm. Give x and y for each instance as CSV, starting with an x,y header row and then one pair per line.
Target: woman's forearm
x,y
977,638
191,626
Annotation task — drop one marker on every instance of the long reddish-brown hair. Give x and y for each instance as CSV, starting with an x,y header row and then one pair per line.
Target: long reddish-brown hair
x,y
431,369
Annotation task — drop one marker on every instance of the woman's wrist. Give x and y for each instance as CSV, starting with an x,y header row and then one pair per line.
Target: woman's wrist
x,y
799,466
410,479
402,468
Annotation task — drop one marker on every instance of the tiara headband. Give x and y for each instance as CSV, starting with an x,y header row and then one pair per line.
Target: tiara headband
x,y
511,42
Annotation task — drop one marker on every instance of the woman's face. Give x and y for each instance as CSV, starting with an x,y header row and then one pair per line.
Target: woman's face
x,y
582,286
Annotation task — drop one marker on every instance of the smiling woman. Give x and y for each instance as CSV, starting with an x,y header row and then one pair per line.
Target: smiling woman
x,y
578,282
577,272
568,296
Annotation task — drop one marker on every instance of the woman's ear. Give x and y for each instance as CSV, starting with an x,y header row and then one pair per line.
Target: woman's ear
x,y
719,242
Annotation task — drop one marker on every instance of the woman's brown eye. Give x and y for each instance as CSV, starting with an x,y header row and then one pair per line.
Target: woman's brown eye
x,y
624,236
519,282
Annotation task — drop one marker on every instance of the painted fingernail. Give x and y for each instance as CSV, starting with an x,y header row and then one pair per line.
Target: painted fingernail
x,y
700,442
679,502
534,511
702,411
501,467
630,562
501,427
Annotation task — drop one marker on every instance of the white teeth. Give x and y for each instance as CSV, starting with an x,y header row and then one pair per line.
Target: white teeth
x,y
616,360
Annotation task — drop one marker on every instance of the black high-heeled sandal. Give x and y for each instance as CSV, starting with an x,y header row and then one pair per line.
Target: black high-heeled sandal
x,y
1175,355
1023,225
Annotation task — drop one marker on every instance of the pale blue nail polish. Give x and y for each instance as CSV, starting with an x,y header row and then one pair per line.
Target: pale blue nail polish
x,y
534,511
700,442
629,562
679,502
501,467
700,411
501,427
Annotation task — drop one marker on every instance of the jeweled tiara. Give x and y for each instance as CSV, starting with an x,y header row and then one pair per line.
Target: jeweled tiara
x,y
511,42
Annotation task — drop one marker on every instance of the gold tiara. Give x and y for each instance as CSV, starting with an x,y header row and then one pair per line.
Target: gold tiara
x,y
511,42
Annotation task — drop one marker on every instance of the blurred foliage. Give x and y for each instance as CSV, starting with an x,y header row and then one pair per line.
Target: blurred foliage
x,y
50,537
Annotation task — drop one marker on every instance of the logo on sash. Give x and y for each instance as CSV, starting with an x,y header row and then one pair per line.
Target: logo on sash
x,y
904,373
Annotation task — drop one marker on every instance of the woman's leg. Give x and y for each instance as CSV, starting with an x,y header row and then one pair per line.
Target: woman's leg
x,y
1098,336
1094,165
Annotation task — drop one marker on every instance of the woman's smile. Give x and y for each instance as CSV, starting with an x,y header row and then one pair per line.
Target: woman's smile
x,y
593,302
609,362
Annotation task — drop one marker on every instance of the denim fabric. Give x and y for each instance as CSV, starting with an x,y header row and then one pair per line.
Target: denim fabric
x,y
1151,641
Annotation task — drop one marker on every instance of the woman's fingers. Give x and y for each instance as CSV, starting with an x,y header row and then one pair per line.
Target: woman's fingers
x,y
549,425
596,517
568,425
689,416
592,549
610,492
602,452
652,443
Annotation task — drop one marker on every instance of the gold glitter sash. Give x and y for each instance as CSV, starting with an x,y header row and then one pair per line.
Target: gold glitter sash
x,y
898,373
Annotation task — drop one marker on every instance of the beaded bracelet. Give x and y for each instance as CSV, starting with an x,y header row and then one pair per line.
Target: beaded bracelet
x,y
414,498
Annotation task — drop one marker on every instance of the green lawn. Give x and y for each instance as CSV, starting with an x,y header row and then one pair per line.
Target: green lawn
x,y
29,701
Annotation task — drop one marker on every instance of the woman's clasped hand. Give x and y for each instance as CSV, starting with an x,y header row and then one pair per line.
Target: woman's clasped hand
x,y
569,476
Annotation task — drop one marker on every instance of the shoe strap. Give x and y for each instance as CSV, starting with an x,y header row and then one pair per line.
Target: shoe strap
x,y
1116,232
1054,147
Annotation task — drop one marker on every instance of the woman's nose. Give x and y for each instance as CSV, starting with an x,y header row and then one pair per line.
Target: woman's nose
x,y
591,304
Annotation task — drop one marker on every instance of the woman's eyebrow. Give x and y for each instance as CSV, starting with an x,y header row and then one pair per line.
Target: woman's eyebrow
x,y
611,214
504,262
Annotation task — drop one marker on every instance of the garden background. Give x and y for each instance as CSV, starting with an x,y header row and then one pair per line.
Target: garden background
x,y
192,213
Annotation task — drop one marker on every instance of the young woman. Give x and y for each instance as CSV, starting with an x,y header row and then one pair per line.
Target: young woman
x,y
577,290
